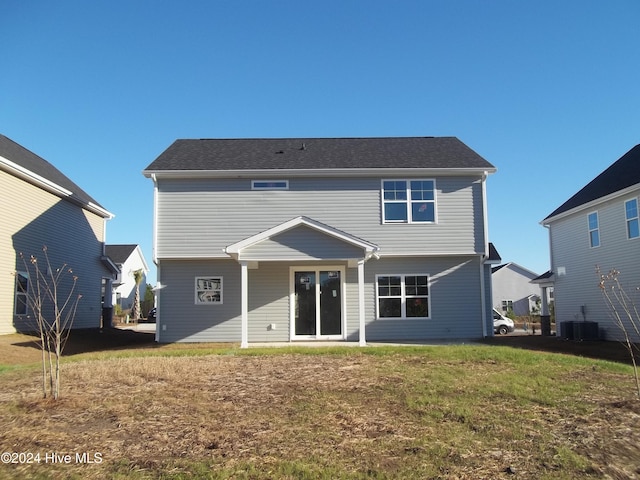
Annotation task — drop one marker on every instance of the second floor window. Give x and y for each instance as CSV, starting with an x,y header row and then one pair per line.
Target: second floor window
x,y
631,212
408,201
594,230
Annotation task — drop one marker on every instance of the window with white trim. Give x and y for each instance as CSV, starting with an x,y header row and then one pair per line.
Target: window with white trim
x,y
270,185
22,289
402,296
594,230
208,290
507,305
409,201
631,214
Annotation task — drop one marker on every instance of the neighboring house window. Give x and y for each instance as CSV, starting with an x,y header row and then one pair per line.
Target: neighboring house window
x,y
631,212
208,290
403,296
507,305
269,185
408,201
22,287
594,230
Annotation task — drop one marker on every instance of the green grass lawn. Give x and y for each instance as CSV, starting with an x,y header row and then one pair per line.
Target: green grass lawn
x,y
382,412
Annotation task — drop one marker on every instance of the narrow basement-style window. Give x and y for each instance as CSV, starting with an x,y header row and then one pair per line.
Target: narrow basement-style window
x,y
594,230
22,288
208,290
270,185
631,213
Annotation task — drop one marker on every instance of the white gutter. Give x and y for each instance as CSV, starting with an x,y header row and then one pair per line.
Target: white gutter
x,y
317,172
51,187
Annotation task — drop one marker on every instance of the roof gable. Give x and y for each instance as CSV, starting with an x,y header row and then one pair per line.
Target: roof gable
x,y
28,166
318,154
119,254
624,173
235,250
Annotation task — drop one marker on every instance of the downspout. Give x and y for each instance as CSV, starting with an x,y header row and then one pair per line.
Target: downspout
x,y
154,250
485,255
154,258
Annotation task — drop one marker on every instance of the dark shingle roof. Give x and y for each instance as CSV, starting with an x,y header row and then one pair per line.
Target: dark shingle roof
x,y
318,153
624,173
119,253
33,163
494,256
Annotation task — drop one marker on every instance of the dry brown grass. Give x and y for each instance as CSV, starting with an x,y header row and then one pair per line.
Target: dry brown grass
x,y
399,413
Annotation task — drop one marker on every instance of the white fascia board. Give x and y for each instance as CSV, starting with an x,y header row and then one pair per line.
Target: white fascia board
x,y
144,262
34,178
591,204
317,172
51,187
430,254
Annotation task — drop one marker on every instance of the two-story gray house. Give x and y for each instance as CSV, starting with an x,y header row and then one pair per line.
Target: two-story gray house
x,y
599,226
355,239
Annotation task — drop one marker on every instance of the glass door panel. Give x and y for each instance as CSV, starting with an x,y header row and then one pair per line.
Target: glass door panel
x,y
305,303
330,303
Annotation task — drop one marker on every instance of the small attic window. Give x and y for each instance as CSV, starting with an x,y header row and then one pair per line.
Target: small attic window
x,y
270,185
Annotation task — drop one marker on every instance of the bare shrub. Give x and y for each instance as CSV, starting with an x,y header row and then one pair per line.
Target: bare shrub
x,y
52,301
624,313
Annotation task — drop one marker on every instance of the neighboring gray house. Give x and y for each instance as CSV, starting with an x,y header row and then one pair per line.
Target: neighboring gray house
x,y
128,258
40,206
513,290
596,227
316,239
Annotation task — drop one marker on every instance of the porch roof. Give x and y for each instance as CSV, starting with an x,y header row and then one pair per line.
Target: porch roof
x,y
364,249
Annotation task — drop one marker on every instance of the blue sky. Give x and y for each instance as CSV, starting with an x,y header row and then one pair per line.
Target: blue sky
x,y
547,91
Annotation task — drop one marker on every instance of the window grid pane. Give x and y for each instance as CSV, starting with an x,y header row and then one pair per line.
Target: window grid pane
x,y
408,201
631,211
403,296
594,234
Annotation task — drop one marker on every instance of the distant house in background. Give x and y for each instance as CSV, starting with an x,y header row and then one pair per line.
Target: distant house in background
x,y
513,290
40,206
598,226
128,259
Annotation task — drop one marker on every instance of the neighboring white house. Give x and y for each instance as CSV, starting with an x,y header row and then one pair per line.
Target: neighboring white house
x,y
40,206
596,227
513,290
316,239
128,259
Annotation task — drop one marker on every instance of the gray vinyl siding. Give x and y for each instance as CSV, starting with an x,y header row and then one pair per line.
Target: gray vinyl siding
x,y
181,320
454,290
269,303
302,243
455,300
199,217
73,237
512,283
580,285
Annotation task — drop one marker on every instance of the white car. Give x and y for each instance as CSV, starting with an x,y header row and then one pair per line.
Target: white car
x,y
501,324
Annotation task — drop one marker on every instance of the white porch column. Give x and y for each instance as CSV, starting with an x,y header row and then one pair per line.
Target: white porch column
x,y
362,337
244,287
545,304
